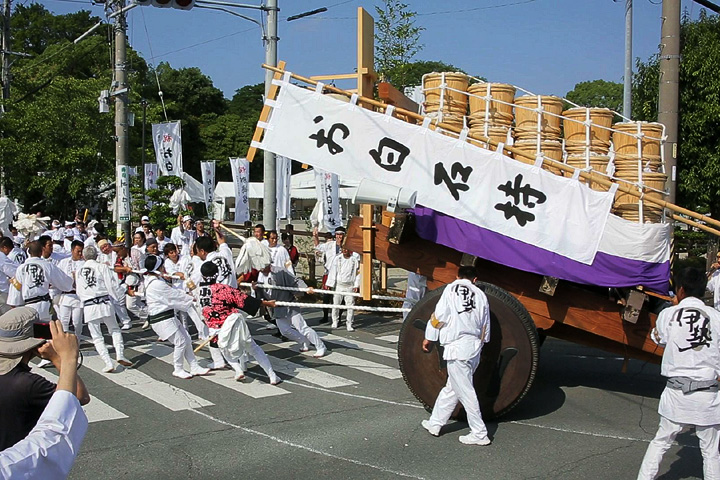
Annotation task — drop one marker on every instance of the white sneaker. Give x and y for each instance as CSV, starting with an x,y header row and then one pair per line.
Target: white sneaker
x,y
350,328
433,429
199,371
44,363
335,324
124,362
320,353
182,374
126,327
109,368
473,440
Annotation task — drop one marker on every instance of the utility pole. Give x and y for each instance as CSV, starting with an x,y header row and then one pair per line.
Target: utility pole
x,y
120,92
5,76
270,188
144,104
627,78
668,103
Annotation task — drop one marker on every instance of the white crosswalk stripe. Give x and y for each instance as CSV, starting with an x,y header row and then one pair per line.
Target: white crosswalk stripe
x,y
358,345
96,410
389,338
338,358
169,396
251,387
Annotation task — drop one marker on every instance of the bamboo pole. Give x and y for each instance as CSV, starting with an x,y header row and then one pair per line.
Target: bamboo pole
x,y
527,158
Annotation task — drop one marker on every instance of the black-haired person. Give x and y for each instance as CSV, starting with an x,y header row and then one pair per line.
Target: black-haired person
x,y
259,233
220,255
69,305
328,251
96,284
162,302
175,268
289,319
7,273
222,303
690,333
278,253
461,322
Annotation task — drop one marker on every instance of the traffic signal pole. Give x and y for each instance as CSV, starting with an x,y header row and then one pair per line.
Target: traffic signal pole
x,y
120,92
270,187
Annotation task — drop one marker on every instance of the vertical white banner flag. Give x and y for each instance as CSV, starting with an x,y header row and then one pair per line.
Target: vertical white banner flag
x,y
151,176
208,180
241,180
283,169
326,188
167,139
123,194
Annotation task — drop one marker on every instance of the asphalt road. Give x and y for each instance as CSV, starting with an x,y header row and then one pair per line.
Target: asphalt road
x,y
350,415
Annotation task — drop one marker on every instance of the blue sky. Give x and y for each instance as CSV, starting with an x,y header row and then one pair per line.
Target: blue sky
x,y
545,46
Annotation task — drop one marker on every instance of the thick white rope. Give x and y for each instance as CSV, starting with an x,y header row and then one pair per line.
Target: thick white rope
x,y
328,292
344,307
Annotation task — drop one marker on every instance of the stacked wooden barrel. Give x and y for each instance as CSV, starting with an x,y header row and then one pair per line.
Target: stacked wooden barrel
x,y
491,119
446,97
537,127
587,139
637,159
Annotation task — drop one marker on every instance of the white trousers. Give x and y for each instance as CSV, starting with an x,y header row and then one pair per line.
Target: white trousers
x,y
338,299
183,349
459,387
664,438
99,342
120,311
137,307
237,364
65,314
294,327
196,318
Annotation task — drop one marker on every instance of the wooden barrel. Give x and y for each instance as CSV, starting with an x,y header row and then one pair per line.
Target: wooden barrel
x,y
493,118
598,163
548,133
548,148
650,163
499,134
650,179
526,119
574,125
596,147
454,96
626,143
631,212
498,91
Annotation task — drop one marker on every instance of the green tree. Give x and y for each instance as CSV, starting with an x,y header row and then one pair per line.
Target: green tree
x,y
397,40
699,123
410,74
161,215
597,93
248,101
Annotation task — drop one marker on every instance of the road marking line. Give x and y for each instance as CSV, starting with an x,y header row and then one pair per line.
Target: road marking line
x,y
308,449
96,410
226,378
358,345
169,396
389,338
309,374
338,358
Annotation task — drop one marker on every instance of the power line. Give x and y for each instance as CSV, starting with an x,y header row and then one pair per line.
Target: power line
x,y
488,7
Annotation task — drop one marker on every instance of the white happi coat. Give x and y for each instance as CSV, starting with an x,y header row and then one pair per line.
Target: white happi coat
x,y
36,275
7,271
182,239
344,271
70,267
97,280
281,258
223,258
464,310
330,250
18,255
690,332
160,297
713,285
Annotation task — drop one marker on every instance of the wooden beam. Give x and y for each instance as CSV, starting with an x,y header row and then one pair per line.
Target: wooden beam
x,y
265,112
338,76
395,97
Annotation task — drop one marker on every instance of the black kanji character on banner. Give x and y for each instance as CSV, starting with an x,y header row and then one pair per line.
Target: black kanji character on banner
x,y
468,297
329,139
520,195
441,175
390,154
698,325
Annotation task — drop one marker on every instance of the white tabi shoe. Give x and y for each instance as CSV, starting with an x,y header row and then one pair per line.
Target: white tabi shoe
x,y
109,368
217,366
320,353
200,371
473,440
239,376
146,325
350,328
304,348
335,325
126,327
182,374
433,429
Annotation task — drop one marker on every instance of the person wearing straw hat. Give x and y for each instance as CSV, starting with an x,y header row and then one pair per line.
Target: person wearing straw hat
x,y
96,284
222,303
461,323
289,319
162,302
23,394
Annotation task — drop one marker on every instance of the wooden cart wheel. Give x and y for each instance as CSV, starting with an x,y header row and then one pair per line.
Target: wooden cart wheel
x,y
508,363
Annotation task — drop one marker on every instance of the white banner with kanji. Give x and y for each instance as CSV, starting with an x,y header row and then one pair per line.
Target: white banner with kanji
x,y
167,139
208,181
241,181
451,176
150,179
123,194
283,171
326,189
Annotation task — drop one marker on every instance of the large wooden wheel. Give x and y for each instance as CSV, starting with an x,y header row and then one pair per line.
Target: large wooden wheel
x,y
508,363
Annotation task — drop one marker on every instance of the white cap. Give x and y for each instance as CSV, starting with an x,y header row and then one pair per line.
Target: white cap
x,y
139,229
69,233
69,224
58,235
56,223
145,218
187,218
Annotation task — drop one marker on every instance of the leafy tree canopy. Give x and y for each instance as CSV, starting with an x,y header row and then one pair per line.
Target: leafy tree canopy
x,y
598,93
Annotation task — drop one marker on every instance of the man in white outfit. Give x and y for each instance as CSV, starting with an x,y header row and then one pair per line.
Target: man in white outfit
x,y
69,305
7,272
461,322
690,333
183,235
344,276
96,284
